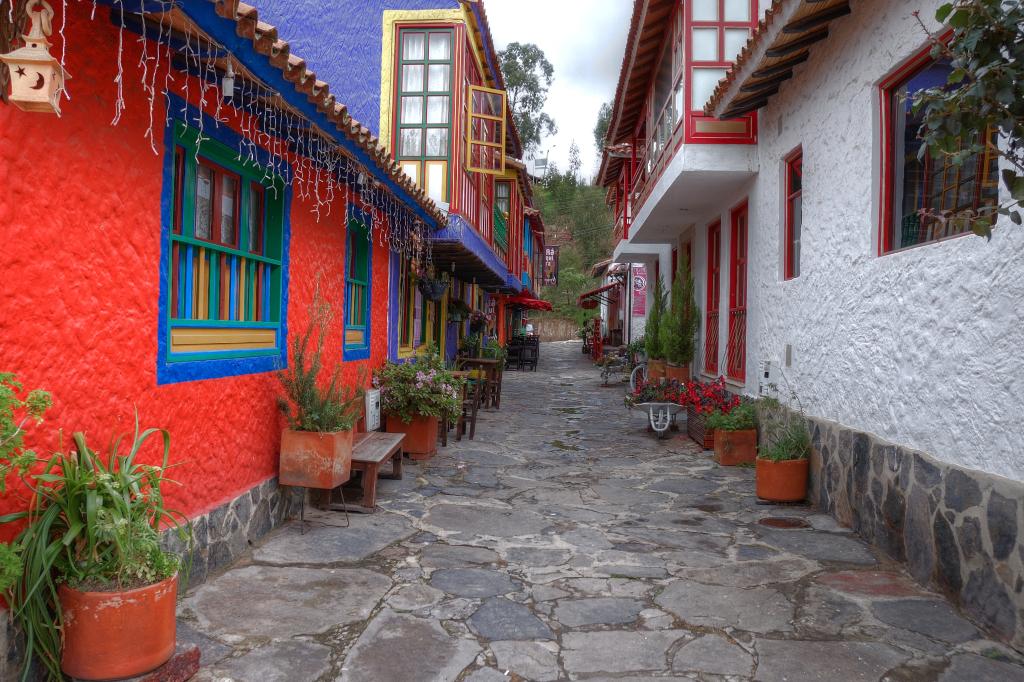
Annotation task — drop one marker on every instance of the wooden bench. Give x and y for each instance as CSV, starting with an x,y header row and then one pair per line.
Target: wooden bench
x,y
369,452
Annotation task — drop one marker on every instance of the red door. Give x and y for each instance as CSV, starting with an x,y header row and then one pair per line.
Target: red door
x,y
736,355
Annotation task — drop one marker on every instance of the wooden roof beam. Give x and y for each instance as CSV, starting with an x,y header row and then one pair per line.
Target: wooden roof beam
x,y
817,19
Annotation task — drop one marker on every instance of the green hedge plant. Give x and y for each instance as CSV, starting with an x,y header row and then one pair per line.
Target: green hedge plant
x,y
743,417
652,328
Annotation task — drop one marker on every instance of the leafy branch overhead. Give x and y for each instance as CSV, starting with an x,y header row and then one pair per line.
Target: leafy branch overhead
x,y
528,76
984,94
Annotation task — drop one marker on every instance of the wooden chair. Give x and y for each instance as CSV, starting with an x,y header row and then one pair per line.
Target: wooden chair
x,y
529,358
470,405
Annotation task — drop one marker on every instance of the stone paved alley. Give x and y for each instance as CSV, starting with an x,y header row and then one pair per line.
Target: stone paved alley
x,y
564,542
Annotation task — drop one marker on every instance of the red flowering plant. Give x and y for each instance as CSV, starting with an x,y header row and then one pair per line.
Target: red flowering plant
x,y
708,397
654,392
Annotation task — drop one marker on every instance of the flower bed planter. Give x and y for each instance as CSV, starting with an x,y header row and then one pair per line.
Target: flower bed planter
x,y
655,370
310,459
735,447
680,373
113,635
696,428
784,481
420,435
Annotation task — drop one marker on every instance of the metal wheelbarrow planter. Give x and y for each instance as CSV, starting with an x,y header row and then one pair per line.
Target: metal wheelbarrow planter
x,y
662,416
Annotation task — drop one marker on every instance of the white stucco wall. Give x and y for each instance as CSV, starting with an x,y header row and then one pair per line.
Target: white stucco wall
x,y
924,347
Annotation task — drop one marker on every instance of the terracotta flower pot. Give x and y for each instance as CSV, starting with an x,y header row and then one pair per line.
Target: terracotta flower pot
x,y
655,370
696,428
420,435
310,459
112,635
735,447
782,481
680,373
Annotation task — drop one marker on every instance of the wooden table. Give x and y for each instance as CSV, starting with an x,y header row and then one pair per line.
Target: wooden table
x,y
490,367
369,451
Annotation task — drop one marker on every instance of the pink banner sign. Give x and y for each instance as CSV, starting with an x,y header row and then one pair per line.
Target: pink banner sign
x,y
639,291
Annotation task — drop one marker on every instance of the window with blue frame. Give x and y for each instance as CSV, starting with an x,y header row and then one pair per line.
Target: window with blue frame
x,y
223,290
357,292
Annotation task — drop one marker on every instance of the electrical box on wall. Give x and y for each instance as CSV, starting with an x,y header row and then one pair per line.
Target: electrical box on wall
x,y
372,409
768,381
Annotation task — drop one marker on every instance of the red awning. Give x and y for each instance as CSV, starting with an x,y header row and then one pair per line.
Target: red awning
x,y
590,299
523,301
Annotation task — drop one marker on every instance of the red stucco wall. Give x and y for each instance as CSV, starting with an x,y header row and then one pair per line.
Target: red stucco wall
x,y
79,290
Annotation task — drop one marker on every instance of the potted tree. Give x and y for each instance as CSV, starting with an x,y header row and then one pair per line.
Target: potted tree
x,y
316,448
86,577
679,326
735,434
782,465
652,334
414,397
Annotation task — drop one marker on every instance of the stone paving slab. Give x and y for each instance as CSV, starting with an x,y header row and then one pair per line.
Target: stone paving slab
x,y
566,543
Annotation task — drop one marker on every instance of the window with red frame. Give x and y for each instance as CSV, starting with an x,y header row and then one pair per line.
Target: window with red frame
x,y
920,183
794,213
713,293
736,351
718,31
217,192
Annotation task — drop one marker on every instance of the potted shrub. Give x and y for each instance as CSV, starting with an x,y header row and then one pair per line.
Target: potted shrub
x,y
701,400
735,434
414,397
679,326
87,578
783,465
316,448
652,334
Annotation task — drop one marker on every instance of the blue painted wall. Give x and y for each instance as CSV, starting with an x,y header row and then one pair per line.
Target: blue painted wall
x,y
341,41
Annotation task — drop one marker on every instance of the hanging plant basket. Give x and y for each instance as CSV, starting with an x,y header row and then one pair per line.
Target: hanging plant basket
x,y
432,289
458,311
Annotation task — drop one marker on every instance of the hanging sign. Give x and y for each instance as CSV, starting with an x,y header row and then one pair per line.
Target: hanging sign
x,y
639,291
550,278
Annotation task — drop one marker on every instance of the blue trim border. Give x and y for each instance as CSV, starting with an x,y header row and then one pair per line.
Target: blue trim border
x,y
211,367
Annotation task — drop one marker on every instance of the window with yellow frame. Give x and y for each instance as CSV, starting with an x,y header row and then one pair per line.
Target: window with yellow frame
x,y
485,149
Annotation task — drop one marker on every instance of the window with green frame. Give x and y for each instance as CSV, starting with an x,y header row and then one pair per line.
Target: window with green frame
x,y
424,121
357,291
225,278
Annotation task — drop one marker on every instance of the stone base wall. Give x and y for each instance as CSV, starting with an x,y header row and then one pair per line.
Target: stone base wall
x,y
958,530
221,537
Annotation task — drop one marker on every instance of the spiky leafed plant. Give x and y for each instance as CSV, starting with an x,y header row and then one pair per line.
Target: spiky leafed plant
x,y
308,404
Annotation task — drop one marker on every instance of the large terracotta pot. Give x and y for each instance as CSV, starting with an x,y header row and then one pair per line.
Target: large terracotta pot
x,y
310,459
655,370
735,447
782,481
420,435
112,635
680,373
696,428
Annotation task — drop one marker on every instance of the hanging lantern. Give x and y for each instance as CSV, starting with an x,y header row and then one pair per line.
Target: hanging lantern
x,y
36,77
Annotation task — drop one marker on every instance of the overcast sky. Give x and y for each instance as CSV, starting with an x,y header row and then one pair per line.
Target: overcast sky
x,y
584,41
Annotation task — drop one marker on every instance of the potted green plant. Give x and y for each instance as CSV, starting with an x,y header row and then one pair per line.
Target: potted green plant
x,y
652,333
316,447
735,434
415,396
783,465
86,577
680,325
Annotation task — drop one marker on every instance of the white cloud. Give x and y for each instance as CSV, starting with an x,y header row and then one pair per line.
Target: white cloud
x,y
584,41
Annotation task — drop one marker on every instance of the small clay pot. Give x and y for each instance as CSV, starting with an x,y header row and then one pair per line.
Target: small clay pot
x,y
113,635
420,435
680,373
735,447
655,370
310,459
784,481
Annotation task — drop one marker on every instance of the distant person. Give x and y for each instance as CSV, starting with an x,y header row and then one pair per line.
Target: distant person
x,y
529,328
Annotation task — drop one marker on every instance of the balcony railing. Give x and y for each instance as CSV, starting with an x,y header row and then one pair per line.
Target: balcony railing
x,y
500,229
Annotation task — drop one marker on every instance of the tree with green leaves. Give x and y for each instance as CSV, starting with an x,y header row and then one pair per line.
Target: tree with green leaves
x,y
604,119
680,325
652,329
982,104
528,75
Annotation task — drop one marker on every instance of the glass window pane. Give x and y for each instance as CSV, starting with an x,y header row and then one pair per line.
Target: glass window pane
x,y
228,202
437,79
737,10
204,202
705,10
412,110
412,78
437,109
705,44
735,41
677,108
440,46
437,142
703,84
412,142
412,46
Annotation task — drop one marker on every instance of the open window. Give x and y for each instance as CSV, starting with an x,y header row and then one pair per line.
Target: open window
x,y
485,151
